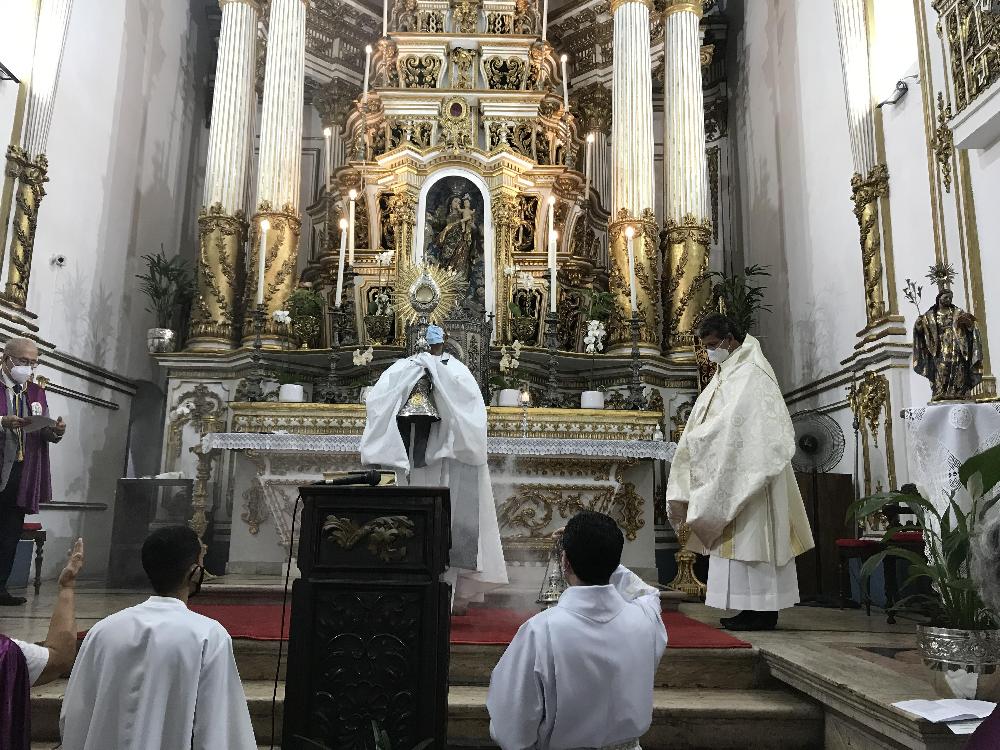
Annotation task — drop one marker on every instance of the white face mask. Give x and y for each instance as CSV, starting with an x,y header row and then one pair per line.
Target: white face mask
x,y
718,355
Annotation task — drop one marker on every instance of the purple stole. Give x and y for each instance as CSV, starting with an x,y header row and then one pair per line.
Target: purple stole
x,y
36,480
15,697
987,734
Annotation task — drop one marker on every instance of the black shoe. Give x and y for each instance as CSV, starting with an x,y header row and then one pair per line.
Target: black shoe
x,y
735,619
6,600
756,621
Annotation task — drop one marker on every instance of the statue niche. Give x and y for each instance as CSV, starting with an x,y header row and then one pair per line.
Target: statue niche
x,y
454,235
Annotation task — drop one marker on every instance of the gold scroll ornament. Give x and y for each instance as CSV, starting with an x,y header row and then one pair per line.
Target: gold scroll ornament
x,y
686,289
222,236
31,176
645,249
865,193
506,221
279,271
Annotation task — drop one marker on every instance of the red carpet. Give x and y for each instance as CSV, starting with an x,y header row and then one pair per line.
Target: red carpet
x,y
261,622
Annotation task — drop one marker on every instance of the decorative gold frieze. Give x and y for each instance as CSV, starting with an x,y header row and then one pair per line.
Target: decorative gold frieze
x,y
646,252
208,408
865,193
505,73
686,289
616,4
386,535
944,142
465,16
705,54
455,124
972,32
533,507
31,175
334,101
404,15
213,317
506,217
681,6
463,67
525,18
420,71
871,404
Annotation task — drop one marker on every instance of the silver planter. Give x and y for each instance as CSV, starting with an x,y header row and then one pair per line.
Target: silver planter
x,y
160,340
962,663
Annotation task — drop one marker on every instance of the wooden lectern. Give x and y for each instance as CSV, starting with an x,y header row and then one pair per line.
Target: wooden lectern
x,y
370,619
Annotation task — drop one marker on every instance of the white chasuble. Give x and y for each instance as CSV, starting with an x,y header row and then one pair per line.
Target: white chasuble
x,y
456,458
156,676
581,674
732,480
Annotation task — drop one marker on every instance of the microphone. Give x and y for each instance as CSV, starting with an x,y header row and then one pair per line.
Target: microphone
x,y
370,477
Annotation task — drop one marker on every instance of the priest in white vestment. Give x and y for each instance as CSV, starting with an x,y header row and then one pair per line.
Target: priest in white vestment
x,y
445,446
581,674
732,482
158,676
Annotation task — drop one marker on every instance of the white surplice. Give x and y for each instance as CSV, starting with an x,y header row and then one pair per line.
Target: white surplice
x,y
456,458
156,676
732,481
581,674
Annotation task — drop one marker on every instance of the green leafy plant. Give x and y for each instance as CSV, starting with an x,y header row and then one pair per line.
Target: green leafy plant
x,y
306,309
601,306
955,601
169,284
739,297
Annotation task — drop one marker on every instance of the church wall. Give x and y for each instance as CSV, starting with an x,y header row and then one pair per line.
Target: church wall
x,y
125,147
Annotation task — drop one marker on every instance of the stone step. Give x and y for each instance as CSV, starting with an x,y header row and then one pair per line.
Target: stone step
x,y
731,668
682,718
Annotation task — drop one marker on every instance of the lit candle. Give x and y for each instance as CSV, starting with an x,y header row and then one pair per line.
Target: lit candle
x,y
340,262
261,256
545,18
589,163
385,17
368,65
564,59
327,135
630,243
553,236
353,195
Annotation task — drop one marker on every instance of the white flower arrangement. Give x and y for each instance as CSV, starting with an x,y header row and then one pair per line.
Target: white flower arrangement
x,y
363,358
384,259
594,340
281,316
510,359
383,302
525,281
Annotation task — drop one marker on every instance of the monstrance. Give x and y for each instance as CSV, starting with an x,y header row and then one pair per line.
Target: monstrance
x,y
431,295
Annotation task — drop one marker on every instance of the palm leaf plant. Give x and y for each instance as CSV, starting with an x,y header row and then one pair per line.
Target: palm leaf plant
x,y
954,601
169,285
739,297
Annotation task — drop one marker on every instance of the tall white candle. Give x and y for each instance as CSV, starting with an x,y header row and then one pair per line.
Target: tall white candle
x,y
328,159
353,195
563,60
368,66
261,257
589,164
385,17
553,271
630,243
552,226
340,262
545,18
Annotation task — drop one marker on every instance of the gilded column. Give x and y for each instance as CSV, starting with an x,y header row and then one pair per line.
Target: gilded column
x,y
222,222
632,175
279,167
506,220
28,164
686,292
870,182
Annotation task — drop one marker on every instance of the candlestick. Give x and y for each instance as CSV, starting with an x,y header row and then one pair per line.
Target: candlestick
x,y
551,398
553,271
368,65
340,262
545,18
327,161
564,59
353,195
589,163
630,242
385,17
261,258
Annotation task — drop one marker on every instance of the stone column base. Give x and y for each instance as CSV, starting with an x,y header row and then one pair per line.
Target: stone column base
x,y
686,291
279,272
214,317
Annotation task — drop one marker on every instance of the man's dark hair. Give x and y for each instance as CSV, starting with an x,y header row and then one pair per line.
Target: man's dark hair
x,y
593,544
167,555
721,325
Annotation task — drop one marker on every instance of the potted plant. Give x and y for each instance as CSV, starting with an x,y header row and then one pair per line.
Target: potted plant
x,y
601,305
305,308
957,635
364,359
510,360
169,284
736,296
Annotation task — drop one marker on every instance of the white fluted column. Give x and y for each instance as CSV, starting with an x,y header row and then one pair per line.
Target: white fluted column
x,y
279,165
29,163
688,217
870,183
601,166
632,174
222,223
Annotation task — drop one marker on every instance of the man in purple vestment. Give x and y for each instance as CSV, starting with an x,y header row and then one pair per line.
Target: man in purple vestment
x,y
25,481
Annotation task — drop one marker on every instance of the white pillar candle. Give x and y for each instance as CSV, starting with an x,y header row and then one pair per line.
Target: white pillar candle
x,y
340,263
563,60
385,17
630,242
368,66
552,226
261,257
327,159
588,168
353,195
553,271
545,18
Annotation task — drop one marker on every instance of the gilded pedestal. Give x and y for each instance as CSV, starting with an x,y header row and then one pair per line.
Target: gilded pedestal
x,y
31,175
686,291
214,317
279,271
645,249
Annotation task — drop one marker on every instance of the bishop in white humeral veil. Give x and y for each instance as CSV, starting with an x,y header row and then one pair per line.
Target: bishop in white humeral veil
x,y
732,482
426,419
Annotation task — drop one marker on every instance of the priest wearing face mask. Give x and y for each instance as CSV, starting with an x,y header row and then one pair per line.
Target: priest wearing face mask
x,y
732,482
25,481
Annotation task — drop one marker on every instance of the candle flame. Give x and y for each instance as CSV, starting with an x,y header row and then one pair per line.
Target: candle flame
x,y
265,224
590,137
353,195
368,49
630,232
564,59
552,200
554,235
327,132
343,224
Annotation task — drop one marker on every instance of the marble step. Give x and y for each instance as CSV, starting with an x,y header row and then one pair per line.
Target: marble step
x,y
733,669
682,718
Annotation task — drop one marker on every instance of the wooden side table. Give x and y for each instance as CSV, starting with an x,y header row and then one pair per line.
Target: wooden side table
x,y
33,532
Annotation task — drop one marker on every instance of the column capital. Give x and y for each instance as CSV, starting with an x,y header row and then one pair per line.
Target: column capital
x,y
616,4
594,107
682,6
255,4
